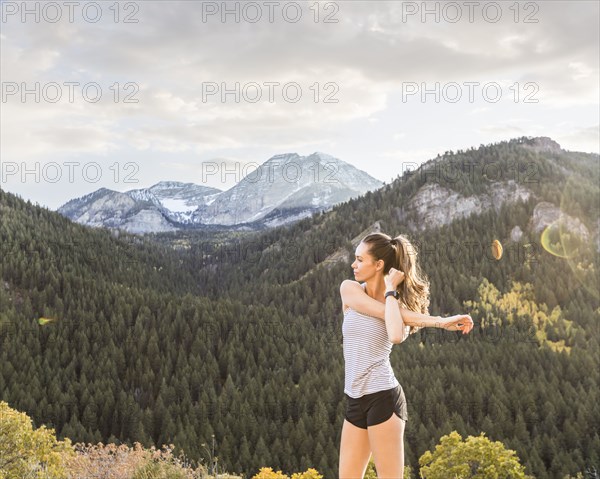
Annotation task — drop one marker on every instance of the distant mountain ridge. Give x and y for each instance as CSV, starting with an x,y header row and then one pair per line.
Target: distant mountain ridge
x,y
283,189
287,182
289,187
158,208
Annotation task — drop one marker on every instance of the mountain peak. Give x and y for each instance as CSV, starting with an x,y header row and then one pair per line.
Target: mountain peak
x,y
170,184
286,156
282,191
289,187
90,196
323,156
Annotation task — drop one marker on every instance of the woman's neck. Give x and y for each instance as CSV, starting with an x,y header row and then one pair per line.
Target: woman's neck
x,y
376,289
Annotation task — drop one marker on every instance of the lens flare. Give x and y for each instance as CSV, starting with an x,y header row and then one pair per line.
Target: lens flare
x,y
43,321
556,239
578,249
497,249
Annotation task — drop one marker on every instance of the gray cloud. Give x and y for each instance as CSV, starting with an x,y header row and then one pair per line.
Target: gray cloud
x,y
369,54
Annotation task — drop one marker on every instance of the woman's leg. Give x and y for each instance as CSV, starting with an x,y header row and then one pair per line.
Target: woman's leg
x,y
354,452
387,443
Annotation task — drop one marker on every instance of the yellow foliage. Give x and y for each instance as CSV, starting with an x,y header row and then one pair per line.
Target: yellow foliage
x,y
310,473
518,302
268,473
476,457
29,453
371,472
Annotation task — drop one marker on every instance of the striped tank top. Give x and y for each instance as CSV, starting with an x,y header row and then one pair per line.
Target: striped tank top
x,y
367,351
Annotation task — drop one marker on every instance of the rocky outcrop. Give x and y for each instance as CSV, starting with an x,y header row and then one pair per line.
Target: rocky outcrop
x,y
437,206
546,214
516,234
542,144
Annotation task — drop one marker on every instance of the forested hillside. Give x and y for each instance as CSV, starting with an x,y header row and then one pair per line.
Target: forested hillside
x,y
173,338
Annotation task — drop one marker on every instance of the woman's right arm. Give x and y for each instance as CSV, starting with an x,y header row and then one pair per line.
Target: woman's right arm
x,y
353,296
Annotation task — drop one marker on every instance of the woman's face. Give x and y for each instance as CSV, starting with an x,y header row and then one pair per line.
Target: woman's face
x,y
364,264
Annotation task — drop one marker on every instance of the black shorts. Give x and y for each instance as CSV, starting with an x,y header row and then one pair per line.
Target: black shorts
x,y
375,408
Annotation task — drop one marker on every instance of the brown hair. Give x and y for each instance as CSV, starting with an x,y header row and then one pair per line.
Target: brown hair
x,y
400,253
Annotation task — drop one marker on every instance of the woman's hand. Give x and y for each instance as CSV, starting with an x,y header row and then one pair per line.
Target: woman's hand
x,y
458,322
393,279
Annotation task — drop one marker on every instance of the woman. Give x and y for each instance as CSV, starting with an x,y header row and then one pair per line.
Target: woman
x,y
387,302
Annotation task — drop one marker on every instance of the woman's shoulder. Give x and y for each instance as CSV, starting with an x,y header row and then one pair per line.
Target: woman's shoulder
x,y
352,282
348,289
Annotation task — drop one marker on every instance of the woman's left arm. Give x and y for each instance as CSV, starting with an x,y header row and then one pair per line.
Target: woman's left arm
x,y
411,318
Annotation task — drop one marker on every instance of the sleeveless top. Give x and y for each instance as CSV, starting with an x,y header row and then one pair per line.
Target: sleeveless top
x,y
366,354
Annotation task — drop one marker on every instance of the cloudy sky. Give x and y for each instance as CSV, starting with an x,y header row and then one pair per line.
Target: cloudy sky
x,y
123,95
